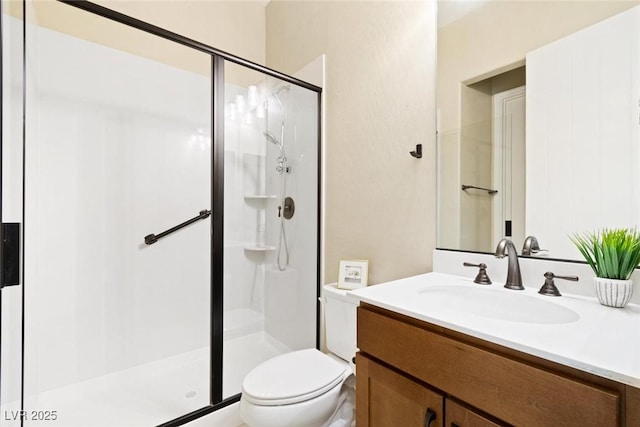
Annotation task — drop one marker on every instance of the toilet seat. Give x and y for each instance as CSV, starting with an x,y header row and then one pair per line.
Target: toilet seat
x,y
292,378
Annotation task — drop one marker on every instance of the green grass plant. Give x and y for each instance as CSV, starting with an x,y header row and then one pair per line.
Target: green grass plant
x,y
611,253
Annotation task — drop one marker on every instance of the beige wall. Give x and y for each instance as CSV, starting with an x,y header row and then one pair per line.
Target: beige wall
x,y
380,63
476,158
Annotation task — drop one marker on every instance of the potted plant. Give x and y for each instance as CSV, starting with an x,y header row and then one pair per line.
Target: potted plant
x,y
613,255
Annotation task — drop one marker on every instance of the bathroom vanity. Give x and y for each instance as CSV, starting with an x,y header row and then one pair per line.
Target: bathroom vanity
x,y
422,365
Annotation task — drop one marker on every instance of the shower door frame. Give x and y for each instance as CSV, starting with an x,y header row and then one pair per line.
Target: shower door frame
x,y
218,59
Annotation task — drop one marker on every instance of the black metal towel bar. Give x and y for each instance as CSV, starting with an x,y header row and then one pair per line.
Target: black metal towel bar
x,y
152,238
488,190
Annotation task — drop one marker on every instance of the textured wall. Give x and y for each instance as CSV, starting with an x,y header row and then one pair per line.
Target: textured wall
x,y
380,103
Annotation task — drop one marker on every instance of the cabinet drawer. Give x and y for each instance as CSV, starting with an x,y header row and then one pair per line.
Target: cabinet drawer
x,y
513,391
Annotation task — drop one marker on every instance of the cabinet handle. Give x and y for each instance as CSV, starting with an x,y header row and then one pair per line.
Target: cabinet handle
x,y
429,417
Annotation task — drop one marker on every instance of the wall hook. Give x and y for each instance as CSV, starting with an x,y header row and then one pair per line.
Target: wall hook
x,y
418,153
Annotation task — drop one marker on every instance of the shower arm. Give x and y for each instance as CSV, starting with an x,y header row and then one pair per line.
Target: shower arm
x,y
150,239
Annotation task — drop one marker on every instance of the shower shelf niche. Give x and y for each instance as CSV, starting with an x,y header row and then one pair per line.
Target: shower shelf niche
x,y
259,248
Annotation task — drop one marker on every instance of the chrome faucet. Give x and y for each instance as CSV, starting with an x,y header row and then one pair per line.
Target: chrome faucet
x,y
531,246
514,278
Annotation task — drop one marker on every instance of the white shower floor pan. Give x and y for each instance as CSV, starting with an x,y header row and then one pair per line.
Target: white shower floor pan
x,y
149,394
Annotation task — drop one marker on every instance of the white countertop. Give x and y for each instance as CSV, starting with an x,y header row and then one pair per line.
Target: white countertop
x,y
600,340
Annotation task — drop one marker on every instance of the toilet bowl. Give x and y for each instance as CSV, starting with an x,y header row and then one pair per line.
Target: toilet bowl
x,y
303,388
298,389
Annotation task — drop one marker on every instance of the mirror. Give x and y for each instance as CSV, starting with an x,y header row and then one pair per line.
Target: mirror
x,y
538,121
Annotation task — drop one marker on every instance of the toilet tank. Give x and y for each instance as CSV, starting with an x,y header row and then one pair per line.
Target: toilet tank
x,y
340,322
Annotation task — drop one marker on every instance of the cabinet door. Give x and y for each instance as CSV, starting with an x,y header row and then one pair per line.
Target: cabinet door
x,y
385,398
459,416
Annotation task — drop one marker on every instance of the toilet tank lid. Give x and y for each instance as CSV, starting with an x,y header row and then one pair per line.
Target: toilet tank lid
x,y
293,377
332,291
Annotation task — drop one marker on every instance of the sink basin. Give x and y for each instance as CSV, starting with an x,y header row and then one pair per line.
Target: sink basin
x,y
511,306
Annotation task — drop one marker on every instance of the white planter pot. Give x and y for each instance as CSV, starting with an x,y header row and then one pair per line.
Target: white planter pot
x,y
612,292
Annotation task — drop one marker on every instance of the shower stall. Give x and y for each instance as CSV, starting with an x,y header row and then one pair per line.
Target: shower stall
x,y
160,219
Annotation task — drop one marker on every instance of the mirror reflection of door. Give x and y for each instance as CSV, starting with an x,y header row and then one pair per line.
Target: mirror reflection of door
x,y
487,163
509,165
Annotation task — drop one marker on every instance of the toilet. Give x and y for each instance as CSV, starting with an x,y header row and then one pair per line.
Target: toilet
x,y
302,388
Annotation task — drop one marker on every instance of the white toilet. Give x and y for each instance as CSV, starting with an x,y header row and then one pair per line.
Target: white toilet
x,y
302,388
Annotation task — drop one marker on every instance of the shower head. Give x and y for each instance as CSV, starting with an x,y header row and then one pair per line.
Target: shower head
x,y
272,139
286,88
275,94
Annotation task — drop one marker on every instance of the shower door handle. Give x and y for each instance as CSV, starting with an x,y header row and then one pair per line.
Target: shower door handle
x,y
150,239
10,254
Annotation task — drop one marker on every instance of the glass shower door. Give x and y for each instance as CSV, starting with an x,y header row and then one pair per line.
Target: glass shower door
x,y
271,220
118,151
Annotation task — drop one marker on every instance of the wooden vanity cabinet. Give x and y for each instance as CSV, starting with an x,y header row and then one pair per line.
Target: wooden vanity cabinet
x,y
406,367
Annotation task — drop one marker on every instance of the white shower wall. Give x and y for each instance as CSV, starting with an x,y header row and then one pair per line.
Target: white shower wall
x,y
250,170
291,295
258,295
244,217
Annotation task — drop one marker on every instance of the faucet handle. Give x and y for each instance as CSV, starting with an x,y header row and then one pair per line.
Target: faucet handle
x,y
571,278
536,251
482,278
549,287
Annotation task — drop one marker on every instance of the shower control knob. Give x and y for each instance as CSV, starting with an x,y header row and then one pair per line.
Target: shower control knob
x,y
289,208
